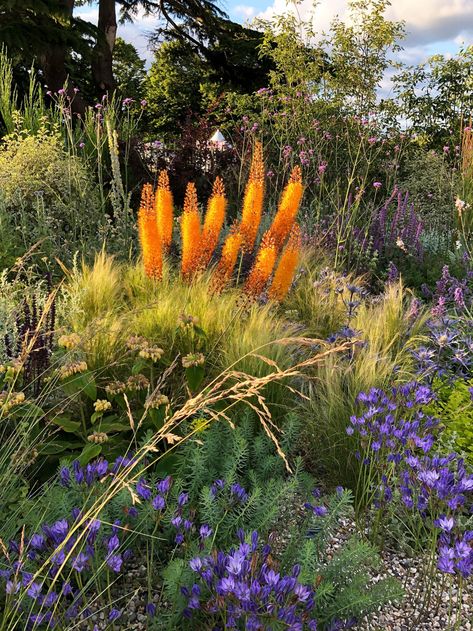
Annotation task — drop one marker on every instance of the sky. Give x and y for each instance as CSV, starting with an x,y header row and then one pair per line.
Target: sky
x,y
433,26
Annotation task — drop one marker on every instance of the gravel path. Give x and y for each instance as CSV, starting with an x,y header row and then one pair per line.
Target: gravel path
x,y
407,615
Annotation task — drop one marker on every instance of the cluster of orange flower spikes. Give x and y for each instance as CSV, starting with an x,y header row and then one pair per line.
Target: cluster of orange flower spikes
x,y
190,233
253,199
164,210
198,242
150,240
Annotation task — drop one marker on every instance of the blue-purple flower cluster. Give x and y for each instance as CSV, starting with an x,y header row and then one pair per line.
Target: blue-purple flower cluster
x,y
397,437
243,587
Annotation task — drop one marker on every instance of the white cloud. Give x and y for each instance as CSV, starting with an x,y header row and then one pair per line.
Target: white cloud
x,y
426,20
245,10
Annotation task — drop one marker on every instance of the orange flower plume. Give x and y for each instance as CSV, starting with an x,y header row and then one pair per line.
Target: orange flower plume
x,y
288,208
253,199
214,218
164,210
228,259
190,230
150,241
262,267
286,268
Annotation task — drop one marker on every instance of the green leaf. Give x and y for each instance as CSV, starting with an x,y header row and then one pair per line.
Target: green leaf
x,y
139,364
84,382
95,417
66,424
27,409
58,446
90,451
157,416
200,332
195,376
112,426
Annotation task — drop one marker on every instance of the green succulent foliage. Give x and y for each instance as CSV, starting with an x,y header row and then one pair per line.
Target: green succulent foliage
x,y
242,454
455,409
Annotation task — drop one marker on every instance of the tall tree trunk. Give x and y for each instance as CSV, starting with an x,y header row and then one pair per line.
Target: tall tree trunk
x,y
53,64
102,56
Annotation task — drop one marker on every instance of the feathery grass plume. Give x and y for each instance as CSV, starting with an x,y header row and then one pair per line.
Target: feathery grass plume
x,y
262,267
164,210
253,199
214,218
287,265
191,232
288,208
228,259
150,241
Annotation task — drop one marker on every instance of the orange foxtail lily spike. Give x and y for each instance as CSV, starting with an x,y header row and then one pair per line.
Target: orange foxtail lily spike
x,y
286,269
191,233
288,208
214,219
150,241
262,267
164,210
253,199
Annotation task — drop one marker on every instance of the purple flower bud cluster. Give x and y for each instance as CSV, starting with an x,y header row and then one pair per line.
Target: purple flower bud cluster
x,y
93,472
451,292
244,587
397,436
400,229
70,549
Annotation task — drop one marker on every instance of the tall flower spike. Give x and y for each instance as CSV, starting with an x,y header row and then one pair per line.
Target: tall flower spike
x,y
164,210
150,241
287,209
262,267
214,218
253,199
287,265
190,229
228,259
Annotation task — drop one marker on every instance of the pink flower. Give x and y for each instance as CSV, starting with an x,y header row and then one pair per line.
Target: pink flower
x,y
377,185
322,167
446,149
372,140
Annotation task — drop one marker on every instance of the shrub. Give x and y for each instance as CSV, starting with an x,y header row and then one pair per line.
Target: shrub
x,y
454,408
47,194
